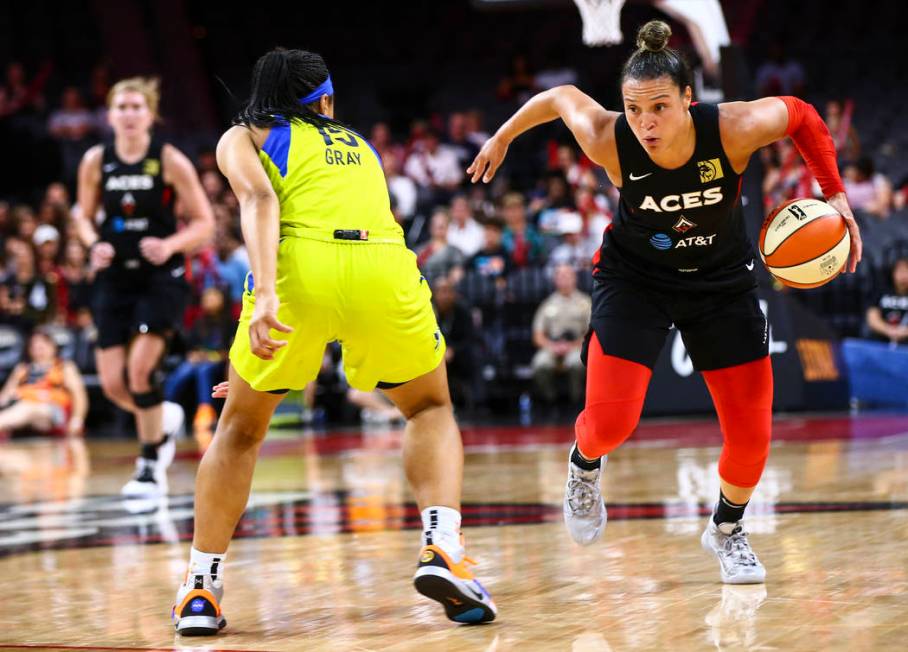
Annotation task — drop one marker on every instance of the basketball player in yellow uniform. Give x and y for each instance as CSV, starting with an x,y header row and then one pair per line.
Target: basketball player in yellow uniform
x,y
328,263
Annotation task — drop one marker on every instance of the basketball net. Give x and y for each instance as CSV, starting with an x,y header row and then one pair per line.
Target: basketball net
x,y
601,21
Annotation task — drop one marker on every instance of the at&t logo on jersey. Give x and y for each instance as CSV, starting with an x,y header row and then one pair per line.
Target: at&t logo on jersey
x,y
136,224
661,241
673,203
696,241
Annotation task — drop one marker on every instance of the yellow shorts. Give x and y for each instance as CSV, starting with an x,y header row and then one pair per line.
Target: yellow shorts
x,y
369,296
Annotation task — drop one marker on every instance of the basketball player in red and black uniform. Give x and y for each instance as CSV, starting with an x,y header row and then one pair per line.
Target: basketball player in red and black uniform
x,y
140,289
676,254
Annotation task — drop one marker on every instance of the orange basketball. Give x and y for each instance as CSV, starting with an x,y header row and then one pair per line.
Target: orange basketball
x,y
804,243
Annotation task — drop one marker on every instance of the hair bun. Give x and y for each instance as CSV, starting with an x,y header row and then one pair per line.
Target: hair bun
x,y
654,36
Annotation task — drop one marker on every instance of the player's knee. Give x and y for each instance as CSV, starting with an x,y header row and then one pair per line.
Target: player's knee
x,y
603,427
141,378
746,449
144,387
741,467
114,388
149,399
426,405
242,431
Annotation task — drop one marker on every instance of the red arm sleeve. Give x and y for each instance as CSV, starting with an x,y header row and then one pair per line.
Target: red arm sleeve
x,y
811,137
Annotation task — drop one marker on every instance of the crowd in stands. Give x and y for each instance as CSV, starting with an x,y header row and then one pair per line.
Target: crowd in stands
x,y
509,264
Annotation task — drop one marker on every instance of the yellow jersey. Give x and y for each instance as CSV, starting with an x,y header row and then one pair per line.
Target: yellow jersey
x,y
328,178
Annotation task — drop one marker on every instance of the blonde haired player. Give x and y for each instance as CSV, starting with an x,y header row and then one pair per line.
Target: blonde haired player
x,y
140,289
328,263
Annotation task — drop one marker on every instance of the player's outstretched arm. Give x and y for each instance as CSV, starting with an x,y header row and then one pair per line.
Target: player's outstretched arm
x,y
748,126
590,123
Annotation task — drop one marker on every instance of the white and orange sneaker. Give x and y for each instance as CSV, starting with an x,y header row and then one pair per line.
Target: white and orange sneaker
x,y
453,585
197,608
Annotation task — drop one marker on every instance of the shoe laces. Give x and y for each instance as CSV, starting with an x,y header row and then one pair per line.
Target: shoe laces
x,y
581,494
465,559
738,547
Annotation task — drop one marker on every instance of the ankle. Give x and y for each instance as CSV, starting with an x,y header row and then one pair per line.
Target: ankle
x,y
579,460
206,563
726,514
441,527
450,542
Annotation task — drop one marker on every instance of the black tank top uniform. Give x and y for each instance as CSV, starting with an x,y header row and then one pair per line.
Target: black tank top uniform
x,y
134,296
137,204
677,254
681,227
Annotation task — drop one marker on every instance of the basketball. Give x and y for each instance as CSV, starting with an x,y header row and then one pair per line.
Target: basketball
x,y
804,243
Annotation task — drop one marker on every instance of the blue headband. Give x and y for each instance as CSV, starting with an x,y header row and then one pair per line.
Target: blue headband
x,y
325,88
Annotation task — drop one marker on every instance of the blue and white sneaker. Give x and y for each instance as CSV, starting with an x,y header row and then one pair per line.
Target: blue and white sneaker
x,y
197,608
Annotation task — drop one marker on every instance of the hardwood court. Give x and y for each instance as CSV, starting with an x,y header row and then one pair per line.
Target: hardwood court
x,y
325,552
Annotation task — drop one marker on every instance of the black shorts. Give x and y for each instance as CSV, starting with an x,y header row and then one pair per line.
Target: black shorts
x,y
122,311
721,329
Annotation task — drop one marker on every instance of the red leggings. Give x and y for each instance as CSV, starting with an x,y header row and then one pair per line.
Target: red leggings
x,y
742,394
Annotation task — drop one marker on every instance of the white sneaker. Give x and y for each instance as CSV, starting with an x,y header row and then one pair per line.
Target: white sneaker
x,y
150,477
166,451
584,508
172,420
737,562
197,608
148,481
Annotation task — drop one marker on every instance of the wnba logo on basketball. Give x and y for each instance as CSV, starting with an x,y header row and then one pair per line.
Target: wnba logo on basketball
x,y
710,170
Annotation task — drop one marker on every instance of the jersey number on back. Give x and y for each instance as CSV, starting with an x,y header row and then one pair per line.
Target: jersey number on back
x,y
336,156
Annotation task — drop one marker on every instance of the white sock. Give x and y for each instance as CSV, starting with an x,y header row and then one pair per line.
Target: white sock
x,y
206,563
441,527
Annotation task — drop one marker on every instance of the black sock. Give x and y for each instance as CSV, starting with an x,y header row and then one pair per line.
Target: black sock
x,y
582,462
150,451
727,511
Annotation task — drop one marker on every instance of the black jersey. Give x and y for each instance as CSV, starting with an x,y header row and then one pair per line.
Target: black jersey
x,y
682,227
137,204
893,308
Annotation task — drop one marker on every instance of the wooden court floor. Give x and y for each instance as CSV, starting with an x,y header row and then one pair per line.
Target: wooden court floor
x,y
325,552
